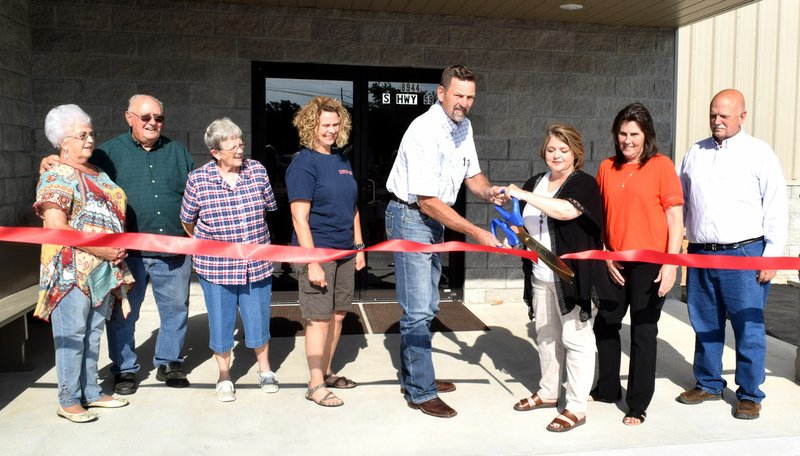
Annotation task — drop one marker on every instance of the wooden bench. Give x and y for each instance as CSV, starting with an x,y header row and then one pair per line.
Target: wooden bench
x,y
19,288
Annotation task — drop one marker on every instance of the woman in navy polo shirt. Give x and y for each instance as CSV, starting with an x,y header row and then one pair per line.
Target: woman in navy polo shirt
x,y
322,197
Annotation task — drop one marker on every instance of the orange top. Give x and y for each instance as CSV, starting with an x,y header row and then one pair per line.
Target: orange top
x,y
635,202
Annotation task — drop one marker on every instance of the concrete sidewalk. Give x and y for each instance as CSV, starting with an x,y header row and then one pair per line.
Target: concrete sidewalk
x,y
491,369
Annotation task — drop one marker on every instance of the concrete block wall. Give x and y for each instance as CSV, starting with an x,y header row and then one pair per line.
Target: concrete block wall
x,y
196,57
17,180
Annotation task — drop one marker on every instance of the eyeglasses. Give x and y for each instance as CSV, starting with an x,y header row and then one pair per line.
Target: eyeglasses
x,y
238,146
159,118
84,135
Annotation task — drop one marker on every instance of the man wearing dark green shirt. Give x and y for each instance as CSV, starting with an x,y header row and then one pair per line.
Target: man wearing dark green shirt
x,y
152,170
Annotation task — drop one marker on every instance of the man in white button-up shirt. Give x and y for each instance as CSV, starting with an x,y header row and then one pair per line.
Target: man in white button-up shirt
x,y
436,155
735,204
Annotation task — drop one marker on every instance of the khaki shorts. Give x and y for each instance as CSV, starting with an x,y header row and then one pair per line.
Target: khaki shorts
x,y
320,303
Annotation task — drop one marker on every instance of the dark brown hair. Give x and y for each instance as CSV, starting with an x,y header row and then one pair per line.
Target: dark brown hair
x,y
635,112
456,71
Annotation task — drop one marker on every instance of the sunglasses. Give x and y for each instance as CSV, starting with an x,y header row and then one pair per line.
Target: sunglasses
x,y
147,117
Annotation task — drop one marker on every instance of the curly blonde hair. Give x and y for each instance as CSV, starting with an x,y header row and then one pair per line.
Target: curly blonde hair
x,y
306,120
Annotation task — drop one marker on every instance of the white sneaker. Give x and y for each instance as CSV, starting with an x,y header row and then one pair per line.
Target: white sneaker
x,y
225,391
268,382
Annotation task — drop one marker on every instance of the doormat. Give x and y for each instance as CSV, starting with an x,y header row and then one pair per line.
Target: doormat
x,y
287,321
453,316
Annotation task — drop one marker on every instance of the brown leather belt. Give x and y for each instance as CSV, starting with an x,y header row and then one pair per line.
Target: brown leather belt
x,y
399,201
734,246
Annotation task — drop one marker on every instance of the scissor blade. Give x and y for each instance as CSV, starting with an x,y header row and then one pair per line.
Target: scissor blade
x,y
549,258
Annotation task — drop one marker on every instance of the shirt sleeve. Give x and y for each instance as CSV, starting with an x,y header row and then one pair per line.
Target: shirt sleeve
x,y
53,188
269,197
670,191
301,180
775,204
190,206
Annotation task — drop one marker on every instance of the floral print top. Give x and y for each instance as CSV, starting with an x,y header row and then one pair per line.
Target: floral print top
x,y
95,204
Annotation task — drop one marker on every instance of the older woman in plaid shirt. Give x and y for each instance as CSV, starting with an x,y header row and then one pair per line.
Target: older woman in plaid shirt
x,y
226,200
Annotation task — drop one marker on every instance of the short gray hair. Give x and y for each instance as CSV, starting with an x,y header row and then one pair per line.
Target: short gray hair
x,y
61,119
220,130
132,99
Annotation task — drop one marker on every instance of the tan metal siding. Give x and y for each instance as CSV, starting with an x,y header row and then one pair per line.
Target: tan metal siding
x,y
755,49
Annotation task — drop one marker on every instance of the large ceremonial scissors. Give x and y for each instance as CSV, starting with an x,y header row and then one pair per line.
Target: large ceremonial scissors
x,y
514,238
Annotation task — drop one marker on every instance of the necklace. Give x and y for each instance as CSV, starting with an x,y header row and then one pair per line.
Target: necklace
x,y
626,179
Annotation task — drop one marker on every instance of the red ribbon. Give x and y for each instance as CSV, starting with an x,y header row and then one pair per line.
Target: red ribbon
x,y
189,246
691,260
292,254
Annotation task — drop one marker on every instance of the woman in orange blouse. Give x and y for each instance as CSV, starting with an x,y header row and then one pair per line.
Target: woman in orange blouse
x,y
643,207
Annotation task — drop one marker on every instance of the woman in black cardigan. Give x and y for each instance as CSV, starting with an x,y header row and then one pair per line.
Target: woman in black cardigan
x,y
564,212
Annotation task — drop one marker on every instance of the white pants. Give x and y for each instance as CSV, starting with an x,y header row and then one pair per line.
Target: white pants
x,y
554,334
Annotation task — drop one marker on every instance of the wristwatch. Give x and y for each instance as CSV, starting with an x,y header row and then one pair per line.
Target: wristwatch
x,y
360,246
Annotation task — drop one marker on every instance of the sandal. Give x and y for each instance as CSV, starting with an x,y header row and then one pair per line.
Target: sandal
x,y
633,415
340,382
531,403
561,425
329,400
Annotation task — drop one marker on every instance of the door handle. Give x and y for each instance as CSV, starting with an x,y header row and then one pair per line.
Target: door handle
x,y
371,184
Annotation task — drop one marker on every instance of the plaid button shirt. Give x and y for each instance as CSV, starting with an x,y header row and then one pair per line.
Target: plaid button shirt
x,y
232,214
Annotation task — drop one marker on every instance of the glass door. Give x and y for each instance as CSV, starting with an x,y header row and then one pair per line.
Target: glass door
x,y
382,102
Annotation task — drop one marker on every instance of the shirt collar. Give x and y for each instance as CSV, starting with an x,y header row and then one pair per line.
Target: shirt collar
x,y
156,145
213,171
447,122
729,142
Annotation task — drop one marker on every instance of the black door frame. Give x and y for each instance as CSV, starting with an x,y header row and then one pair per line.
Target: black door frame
x,y
360,75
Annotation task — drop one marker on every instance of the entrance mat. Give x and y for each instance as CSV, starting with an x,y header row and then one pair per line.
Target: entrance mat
x,y
287,321
453,316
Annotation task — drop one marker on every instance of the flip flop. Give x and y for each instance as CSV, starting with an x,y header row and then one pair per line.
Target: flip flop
x,y
532,403
560,425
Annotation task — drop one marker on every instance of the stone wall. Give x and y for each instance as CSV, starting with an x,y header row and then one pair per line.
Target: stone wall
x,y
17,181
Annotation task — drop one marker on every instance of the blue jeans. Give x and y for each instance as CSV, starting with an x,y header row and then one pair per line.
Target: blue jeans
x,y
713,294
77,326
170,279
417,282
252,300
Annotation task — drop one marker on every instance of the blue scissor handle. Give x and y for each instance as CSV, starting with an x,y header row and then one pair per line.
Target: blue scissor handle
x,y
514,217
511,236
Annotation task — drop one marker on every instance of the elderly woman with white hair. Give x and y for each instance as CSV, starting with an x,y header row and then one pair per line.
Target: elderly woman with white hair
x,y
226,200
78,285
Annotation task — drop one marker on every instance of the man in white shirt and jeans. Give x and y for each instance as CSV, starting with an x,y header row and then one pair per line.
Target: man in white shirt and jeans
x,y
735,204
436,155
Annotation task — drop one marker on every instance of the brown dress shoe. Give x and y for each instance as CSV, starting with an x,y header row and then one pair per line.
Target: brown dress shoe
x,y
747,410
697,395
434,407
441,387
